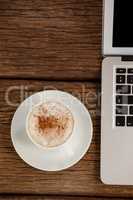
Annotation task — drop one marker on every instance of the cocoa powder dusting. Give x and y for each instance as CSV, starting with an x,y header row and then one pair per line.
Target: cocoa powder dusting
x,y
45,123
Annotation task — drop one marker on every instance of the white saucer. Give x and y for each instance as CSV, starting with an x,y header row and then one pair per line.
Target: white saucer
x,y
60,157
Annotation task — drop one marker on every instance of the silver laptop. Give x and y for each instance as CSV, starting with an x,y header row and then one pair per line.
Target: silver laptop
x,y
117,94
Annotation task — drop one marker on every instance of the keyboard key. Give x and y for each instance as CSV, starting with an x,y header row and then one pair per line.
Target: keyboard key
x,y
121,99
130,70
124,99
130,99
120,79
120,121
130,121
123,89
121,110
121,70
131,110
130,79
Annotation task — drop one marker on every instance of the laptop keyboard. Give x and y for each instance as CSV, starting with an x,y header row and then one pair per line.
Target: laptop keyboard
x,y
124,97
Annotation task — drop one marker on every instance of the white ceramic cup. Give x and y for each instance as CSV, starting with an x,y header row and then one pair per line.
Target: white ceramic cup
x,y
29,131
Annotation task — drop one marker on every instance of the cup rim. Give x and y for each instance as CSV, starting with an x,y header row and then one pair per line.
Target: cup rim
x,y
39,145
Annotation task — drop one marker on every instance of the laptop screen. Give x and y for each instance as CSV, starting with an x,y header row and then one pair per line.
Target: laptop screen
x,y
123,23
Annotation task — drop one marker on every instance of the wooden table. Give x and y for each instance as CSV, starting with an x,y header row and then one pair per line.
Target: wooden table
x,y
46,44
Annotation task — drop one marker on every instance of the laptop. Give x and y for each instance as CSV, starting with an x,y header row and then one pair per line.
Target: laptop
x,y
117,93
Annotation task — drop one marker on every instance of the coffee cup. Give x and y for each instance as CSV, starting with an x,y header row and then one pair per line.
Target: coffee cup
x,y
49,124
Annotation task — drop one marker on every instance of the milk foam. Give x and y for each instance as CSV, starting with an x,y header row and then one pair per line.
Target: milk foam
x,y
50,124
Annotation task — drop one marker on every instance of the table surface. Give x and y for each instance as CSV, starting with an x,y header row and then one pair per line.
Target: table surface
x,y
46,44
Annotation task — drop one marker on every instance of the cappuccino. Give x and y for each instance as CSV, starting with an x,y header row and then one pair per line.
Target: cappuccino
x,y
50,124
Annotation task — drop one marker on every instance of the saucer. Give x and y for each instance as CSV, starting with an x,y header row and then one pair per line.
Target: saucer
x,y
60,157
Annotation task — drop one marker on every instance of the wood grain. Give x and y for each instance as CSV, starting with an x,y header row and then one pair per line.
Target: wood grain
x,y
46,39
51,40
81,179
24,179
44,197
